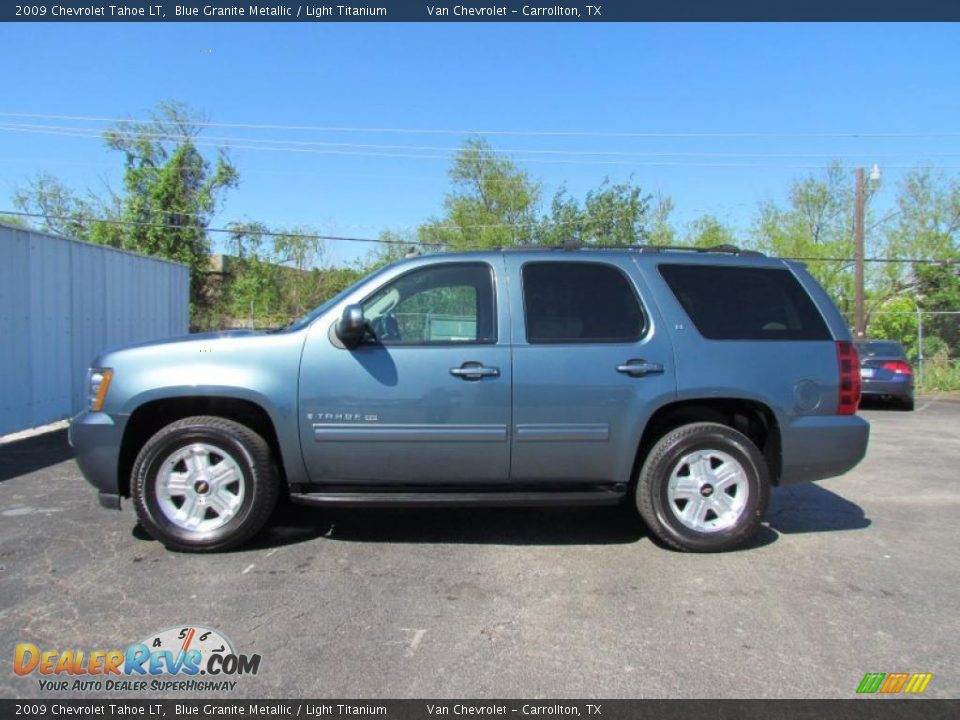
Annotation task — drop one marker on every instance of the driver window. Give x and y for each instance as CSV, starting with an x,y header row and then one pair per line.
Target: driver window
x,y
450,303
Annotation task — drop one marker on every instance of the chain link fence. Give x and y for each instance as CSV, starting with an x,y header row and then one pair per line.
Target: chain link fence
x,y
930,338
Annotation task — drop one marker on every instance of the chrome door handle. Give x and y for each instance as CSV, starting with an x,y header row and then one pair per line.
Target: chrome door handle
x,y
639,368
474,371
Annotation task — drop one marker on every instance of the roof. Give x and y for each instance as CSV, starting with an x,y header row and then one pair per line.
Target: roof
x,y
719,249
728,250
722,253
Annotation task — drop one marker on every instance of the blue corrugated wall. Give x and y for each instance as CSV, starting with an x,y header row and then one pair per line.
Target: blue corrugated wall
x,y
62,303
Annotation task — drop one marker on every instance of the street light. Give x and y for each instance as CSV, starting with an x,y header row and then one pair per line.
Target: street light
x,y
860,320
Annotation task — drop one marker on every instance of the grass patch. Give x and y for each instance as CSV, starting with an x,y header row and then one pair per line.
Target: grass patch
x,y
939,375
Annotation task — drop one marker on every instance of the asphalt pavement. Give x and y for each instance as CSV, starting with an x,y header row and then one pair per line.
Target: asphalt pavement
x,y
851,575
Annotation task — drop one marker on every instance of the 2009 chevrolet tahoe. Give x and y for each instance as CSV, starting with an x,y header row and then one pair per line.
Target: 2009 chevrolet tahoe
x,y
687,382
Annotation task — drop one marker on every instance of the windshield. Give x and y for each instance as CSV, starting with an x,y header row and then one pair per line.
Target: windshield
x,y
305,320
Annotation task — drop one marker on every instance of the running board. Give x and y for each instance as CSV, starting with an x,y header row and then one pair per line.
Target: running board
x,y
459,499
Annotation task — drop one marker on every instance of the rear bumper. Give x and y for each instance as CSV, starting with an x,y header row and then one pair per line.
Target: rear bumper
x,y
819,447
96,438
897,388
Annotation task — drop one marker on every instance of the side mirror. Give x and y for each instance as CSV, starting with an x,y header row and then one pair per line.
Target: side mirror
x,y
351,327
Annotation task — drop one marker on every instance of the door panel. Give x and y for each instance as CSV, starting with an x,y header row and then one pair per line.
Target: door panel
x,y
580,406
404,413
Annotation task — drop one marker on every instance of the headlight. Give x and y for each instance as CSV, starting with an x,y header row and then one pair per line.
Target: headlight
x,y
98,382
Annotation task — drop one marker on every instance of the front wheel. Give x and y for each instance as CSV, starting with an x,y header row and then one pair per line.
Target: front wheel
x,y
703,487
204,484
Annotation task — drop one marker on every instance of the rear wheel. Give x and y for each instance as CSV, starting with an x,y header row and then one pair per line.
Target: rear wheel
x,y
704,487
204,484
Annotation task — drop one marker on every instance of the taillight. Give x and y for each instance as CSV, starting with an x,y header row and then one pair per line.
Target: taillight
x,y
849,363
898,367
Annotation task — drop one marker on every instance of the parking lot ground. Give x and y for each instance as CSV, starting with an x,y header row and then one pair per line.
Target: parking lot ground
x,y
852,575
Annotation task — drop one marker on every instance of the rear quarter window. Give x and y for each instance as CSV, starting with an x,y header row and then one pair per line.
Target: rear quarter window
x,y
745,303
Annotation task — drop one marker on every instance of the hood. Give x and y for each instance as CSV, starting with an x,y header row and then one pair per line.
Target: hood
x,y
177,346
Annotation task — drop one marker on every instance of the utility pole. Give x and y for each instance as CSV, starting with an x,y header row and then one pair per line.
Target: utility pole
x,y
860,322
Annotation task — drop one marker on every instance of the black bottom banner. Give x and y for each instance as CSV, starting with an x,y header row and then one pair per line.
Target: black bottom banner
x,y
192,709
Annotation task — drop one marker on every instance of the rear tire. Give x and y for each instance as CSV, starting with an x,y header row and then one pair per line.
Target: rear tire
x,y
204,484
704,487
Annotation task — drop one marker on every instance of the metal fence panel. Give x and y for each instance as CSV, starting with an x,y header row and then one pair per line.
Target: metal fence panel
x,y
62,303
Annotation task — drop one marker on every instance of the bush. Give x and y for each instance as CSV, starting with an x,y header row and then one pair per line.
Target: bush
x,y
941,375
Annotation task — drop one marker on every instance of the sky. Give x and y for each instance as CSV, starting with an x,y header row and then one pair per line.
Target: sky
x,y
719,117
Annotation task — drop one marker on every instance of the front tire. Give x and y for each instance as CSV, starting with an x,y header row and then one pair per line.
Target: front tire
x,y
704,487
204,484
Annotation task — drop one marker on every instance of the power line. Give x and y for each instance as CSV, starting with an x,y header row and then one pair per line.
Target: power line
x,y
233,230
204,142
913,261
517,133
387,241
228,140
611,216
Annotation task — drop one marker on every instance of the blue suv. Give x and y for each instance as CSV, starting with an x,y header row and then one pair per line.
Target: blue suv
x,y
687,382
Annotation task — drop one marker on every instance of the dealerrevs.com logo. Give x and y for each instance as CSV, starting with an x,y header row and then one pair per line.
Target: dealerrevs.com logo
x,y
180,659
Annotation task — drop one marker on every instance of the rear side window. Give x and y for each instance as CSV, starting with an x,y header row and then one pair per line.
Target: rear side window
x,y
742,303
580,302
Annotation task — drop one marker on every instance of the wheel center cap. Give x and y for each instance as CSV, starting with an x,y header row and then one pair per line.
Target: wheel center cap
x,y
202,487
706,490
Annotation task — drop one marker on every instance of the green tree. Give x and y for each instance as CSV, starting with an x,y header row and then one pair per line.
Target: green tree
x,y
327,282
63,212
896,319
493,203
394,246
938,289
707,231
614,214
661,230
273,276
252,282
170,193
924,225
817,225
299,251
15,221
171,190
927,217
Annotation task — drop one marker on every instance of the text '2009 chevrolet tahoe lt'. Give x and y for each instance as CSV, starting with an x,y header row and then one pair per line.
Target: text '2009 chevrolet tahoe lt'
x,y
686,382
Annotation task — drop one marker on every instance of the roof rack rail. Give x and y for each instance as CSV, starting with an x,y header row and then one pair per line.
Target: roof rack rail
x,y
726,249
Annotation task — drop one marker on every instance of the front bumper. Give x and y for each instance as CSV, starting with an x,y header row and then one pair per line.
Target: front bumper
x,y
818,447
96,438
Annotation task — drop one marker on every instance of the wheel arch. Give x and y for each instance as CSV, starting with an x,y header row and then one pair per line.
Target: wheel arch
x,y
153,415
754,419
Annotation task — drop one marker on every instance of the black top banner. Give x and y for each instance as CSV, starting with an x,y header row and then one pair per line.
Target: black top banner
x,y
441,11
